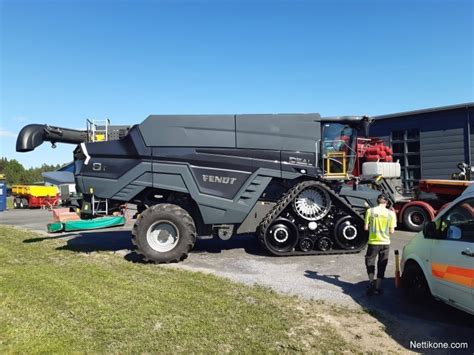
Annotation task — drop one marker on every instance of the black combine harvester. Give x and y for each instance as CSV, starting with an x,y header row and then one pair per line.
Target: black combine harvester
x,y
287,177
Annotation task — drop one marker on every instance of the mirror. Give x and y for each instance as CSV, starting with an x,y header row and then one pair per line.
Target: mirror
x,y
429,230
454,233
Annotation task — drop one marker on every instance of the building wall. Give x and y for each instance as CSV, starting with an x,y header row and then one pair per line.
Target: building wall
x,y
445,138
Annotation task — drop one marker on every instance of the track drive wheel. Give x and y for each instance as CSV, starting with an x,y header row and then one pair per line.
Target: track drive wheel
x,y
349,235
164,233
313,203
281,237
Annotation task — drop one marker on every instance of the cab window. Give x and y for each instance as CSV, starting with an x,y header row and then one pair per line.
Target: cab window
x,y
461,216
337,137
338,146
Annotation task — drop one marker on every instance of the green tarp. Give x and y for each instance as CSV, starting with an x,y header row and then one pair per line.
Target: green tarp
x,y
55,227
86,224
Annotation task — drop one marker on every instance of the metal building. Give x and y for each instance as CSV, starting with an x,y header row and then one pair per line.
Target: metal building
x,y
429,143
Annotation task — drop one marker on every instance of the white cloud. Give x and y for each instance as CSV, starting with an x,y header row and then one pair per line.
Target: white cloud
x,y
7,134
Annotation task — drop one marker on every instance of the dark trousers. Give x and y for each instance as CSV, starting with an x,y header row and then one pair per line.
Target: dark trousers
x,y
382,251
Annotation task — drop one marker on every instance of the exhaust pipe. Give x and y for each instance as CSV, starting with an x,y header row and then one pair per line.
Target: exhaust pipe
x,y
33,135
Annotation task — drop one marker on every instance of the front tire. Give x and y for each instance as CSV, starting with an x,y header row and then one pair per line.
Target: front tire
x,y
164,233
415,286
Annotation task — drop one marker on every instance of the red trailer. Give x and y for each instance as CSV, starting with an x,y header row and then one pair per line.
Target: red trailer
x,y
431,197
34,196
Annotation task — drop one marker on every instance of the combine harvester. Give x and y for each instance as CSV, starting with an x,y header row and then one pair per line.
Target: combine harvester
x,y
293,179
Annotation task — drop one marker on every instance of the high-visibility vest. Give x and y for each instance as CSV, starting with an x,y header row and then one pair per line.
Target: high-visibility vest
x,y
380,221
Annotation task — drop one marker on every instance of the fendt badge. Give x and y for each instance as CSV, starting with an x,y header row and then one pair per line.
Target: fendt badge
x,y
219,179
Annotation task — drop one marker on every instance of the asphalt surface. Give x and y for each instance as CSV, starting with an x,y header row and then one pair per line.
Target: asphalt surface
x,y
338,279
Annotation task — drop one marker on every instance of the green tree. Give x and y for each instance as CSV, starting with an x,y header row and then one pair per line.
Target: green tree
x,y
15,173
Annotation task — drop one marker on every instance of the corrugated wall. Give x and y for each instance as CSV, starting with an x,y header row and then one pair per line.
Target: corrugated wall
x,y
444,138
471,135
441,151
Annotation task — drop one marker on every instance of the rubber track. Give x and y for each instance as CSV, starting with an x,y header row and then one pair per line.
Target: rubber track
x,y
286,200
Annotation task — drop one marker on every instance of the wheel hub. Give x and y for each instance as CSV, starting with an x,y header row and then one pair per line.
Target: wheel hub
x,y
417,218
162,236
349,232
281,235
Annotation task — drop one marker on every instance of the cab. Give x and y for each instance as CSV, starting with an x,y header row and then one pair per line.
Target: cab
x,y
440,259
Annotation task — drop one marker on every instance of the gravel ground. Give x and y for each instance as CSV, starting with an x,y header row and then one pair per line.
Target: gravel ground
x,y
339,279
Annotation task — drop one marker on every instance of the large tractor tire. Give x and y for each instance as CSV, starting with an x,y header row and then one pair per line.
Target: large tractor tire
x,y
415,217
164,233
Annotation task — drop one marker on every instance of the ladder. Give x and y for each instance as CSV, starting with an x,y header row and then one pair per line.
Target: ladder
x,y
99,206
98,130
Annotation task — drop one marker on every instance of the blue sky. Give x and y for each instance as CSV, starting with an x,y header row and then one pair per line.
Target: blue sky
x,y
65,61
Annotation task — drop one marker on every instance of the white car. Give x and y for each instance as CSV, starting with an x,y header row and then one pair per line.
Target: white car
x,y
440,259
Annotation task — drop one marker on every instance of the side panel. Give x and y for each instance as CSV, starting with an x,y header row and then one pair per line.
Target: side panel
x,y
219,182
215,209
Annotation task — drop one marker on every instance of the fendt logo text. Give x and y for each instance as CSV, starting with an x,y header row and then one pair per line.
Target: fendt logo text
x,y
219,179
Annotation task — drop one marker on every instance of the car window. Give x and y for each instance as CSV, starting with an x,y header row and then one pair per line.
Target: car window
x,y
462,216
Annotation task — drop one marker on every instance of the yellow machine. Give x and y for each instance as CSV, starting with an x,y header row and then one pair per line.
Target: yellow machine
x,y
35,196
35,190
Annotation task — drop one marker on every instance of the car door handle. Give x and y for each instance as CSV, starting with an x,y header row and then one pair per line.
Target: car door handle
x,y
468,252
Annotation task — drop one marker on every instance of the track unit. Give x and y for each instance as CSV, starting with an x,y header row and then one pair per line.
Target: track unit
x,y
311,219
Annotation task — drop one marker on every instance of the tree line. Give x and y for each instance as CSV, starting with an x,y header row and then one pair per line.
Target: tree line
x,y
15,173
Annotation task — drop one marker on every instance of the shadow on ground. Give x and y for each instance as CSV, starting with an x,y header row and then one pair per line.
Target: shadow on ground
x,y
247,242
114,241
423,320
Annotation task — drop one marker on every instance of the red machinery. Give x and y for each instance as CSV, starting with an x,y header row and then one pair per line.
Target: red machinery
x,y
429,197
371,150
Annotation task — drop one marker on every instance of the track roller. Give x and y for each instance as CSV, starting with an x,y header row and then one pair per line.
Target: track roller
x,y
349,235
281,236
306,244
324,244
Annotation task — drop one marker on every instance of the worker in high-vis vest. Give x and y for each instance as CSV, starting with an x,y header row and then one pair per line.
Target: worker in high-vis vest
x,y
380,222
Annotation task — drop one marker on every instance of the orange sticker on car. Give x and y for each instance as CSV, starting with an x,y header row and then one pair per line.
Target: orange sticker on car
x,y
458,275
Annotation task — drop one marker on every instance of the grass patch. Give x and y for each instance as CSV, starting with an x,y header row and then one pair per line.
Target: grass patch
x,y
54,300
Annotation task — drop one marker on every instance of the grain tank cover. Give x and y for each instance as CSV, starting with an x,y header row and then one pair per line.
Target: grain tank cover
x,y
189,131
261,131
278,131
